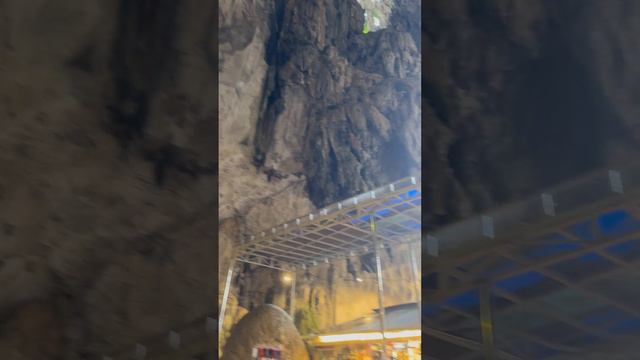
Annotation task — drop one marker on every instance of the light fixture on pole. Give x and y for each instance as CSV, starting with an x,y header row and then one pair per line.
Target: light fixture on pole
x,y
286,278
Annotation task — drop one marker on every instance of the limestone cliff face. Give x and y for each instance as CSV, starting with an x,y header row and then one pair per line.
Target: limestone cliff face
x,y
342,107
523,95
107,181
313,111
249,199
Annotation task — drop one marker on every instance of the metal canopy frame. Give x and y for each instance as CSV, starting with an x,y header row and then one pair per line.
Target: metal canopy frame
x,y
340,230
586,251
385,217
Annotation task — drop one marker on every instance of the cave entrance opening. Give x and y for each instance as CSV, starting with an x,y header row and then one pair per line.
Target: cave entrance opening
x,y
377,14
387,217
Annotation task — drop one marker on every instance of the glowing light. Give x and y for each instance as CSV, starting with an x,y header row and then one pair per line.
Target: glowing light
x,y
369,336
402,334
358,280
350,337
286,278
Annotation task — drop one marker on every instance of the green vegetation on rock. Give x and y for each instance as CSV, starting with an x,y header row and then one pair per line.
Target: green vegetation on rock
x,y
306,321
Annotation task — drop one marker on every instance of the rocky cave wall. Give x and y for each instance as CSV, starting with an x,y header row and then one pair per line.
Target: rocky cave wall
x,y
521,95
312,111
108,173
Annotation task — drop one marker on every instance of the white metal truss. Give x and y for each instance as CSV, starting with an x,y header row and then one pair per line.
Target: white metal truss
x,y
341,230
387,216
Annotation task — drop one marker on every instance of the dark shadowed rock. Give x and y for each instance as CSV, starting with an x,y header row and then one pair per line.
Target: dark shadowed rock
x,y
266,325
524,95
84,219
37,320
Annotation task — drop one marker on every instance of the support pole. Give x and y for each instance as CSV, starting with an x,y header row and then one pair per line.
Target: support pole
x,y
380,296
334,296
225,297
486,322
292,302
380,285
415,277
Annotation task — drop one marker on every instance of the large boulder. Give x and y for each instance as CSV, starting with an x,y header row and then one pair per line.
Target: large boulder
x,y
266,325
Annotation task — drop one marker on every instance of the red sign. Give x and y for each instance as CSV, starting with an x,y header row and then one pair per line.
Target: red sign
x,y
266,353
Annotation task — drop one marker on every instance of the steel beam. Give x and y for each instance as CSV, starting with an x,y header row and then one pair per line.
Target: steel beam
x,y
530,305
525,235
225,297
578,286
381,311
292,302
271,253
512,330
535,266
259,264
486,323
340,217
415,276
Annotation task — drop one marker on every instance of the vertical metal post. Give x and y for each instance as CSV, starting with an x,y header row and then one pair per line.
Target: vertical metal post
x,y
415,277
292,303
334,298
380,297
225,297
486,322
380,285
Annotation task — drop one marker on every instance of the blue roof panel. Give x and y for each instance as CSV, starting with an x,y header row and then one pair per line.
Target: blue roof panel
x,y
543,251
384,213
391,202
623,247
590,257
617,222
626,326
604,317
411,224
410,194
430,310
464,301
500,269
520,281
401,207
583,230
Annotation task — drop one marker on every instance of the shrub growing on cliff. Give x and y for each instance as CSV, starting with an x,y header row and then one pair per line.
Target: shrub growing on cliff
x,y
306,322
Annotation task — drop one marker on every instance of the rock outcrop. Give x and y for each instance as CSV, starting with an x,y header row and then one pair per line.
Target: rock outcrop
x,y
343,107
266,325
